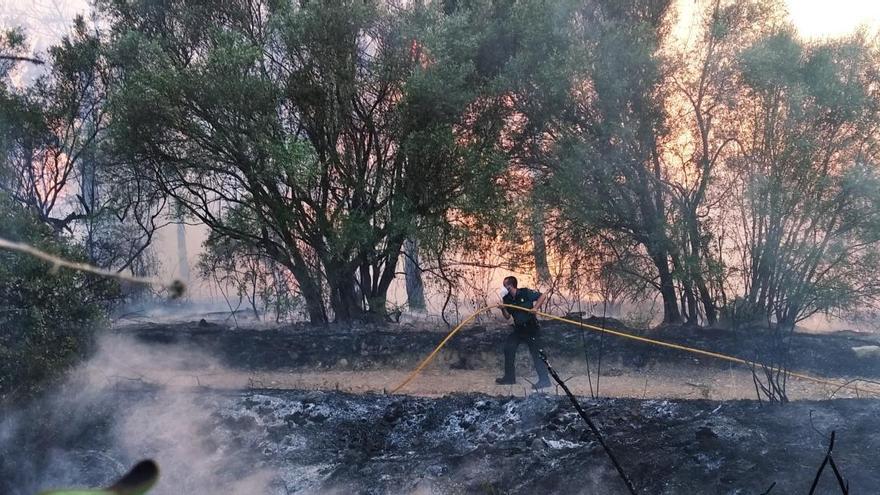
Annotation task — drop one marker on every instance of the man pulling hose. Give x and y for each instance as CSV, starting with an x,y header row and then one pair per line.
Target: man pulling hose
x,y
525,330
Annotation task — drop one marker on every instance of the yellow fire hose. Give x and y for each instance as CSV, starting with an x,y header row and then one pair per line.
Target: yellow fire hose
x,y
692,350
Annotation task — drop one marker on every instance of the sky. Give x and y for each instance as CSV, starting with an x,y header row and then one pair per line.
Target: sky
x,y
45,20
814,19
832,18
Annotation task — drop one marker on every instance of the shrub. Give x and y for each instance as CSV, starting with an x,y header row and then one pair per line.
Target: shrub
x,y
47,317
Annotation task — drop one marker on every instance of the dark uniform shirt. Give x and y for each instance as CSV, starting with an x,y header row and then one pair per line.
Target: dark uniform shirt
x,y
525,298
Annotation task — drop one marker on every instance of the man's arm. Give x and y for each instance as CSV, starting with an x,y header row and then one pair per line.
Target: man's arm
x,y
539,304
504,311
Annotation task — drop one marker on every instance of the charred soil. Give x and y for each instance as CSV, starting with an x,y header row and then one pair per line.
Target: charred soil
x,y
263,436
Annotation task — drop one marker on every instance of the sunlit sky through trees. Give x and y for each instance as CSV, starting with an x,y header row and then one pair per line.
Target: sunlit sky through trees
x,y
47,19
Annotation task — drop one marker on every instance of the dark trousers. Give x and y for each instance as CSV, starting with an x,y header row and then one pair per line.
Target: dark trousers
x,y
530,334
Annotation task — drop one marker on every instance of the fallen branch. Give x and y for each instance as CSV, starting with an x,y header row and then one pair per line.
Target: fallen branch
x,y
16,58
583,414
176,288
844,486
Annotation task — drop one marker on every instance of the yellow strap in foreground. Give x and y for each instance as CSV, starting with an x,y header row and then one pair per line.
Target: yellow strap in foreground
x,y
646,340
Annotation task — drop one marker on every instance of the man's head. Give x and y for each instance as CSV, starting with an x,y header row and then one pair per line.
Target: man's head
x,y
510,284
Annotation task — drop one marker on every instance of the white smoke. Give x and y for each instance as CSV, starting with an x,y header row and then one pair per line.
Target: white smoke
x,y
166,420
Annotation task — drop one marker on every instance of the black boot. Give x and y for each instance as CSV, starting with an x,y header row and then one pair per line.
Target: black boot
x,y
543,382
505,381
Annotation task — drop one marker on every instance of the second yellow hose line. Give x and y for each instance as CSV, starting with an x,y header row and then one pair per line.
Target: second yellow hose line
x,y
646,340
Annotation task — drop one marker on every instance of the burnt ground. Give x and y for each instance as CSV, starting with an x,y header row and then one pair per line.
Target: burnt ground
x,y
329,442
263,440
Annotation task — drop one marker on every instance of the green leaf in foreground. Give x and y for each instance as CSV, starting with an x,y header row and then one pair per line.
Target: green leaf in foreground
x,y
138,481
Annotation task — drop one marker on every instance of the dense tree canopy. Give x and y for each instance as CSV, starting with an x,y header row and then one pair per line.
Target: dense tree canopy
x,y
321,134
330,145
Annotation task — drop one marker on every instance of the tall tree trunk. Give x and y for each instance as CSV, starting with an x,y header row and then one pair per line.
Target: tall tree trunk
x,y
415,290
281,291
89,188
344,298
684,269
310,289
696,267
314,304
182,257
693,314
708,303
384,272
539,244
653,210
671,312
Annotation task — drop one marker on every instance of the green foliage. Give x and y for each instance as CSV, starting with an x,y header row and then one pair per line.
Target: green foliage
x,y
810,184
47,318
772,62
604,175
316,138
337,129
12,42
138,481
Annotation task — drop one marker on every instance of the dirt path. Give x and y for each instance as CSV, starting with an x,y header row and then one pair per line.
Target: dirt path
x,y
170,363
686,381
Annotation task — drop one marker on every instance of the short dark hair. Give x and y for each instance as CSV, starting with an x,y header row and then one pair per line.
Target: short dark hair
x,y
510,280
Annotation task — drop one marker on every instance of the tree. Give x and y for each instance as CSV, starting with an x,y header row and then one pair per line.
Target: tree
x,y
251,274
605,168
415,289
319,133
47,318
809,187
66,115
56,160
705,126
